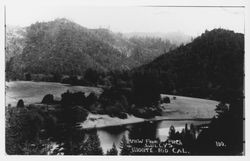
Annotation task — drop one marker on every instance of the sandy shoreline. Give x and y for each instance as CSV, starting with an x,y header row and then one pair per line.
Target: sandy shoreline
x,y
96,121
179,108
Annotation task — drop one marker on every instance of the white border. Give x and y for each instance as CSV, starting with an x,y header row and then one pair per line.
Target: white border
x,y
3,155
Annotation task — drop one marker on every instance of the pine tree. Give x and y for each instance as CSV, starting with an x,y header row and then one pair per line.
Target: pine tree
x,y
92,145
113,150
124,146
171,133
22,133
192,131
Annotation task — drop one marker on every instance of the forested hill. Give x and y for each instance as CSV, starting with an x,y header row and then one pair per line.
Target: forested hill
x,y
211,66
64,47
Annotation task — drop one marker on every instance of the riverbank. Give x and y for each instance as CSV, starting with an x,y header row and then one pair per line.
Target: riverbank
x,y
96,121
101,121
179,109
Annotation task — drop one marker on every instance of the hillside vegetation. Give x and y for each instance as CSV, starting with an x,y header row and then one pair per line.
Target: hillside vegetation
x,y
211,66
64,47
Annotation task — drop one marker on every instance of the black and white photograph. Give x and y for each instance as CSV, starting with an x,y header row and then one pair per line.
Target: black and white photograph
x,y
138,80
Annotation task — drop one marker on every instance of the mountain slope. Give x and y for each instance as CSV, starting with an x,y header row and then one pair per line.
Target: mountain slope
x,y
176,38
62,46
210,66
15,41
139,50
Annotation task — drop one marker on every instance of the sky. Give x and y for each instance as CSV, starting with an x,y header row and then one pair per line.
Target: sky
x,y
125,19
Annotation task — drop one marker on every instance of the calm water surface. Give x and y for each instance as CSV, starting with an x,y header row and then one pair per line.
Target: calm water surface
x,y
158,129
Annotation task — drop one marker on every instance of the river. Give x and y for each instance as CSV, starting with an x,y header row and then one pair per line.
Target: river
x,y
158,129
179,108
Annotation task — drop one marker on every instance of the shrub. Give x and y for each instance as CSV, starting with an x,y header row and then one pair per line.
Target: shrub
x,y
73,98
91,99
122,115
75,114
165,100
114,101
73,80
27,77
48,99
20,104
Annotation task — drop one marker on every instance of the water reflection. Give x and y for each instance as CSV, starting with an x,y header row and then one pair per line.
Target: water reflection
x,y
145,130
111,135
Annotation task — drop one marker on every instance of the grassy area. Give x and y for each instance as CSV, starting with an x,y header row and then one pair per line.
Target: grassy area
x,y
188,107
179,107
33,92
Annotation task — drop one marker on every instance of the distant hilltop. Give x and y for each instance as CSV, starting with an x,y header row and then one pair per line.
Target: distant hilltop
x,y
67,47
176,38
